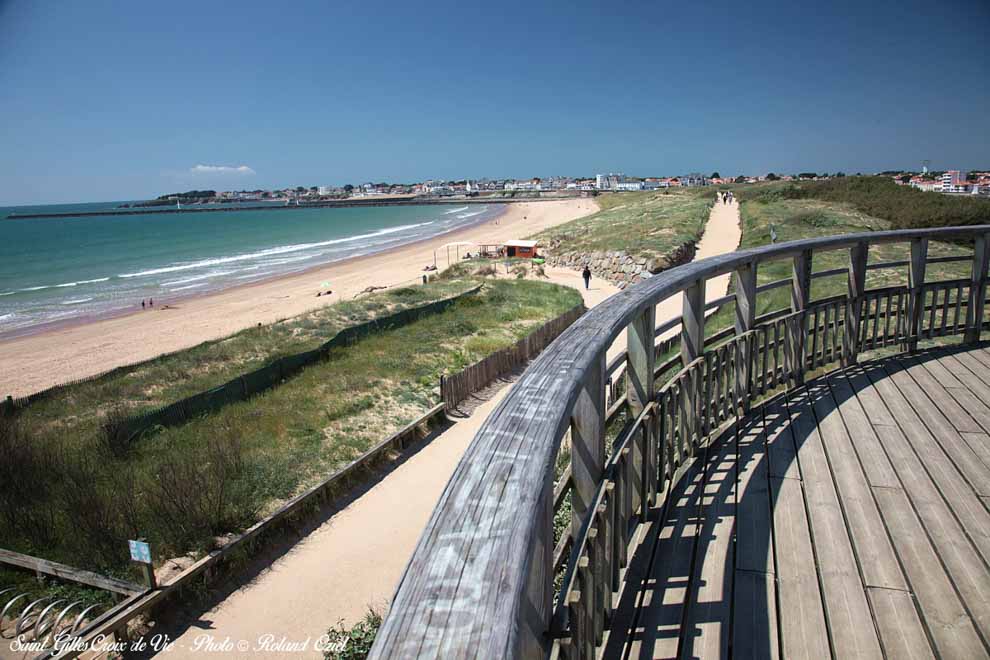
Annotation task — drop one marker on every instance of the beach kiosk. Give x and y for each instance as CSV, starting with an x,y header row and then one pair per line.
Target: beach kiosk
x,y
520,249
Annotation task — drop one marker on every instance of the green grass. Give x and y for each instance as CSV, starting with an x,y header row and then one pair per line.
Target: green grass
x,y
353,643
82,408
643,224
67,496
902,206
794,219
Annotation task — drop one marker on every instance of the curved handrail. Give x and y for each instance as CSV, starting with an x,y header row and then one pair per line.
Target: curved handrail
x,y
480,581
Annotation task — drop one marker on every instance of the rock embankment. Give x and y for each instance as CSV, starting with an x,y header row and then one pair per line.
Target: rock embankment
x,y
619,267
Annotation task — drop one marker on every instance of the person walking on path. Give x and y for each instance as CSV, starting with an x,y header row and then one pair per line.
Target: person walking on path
x,y
586,274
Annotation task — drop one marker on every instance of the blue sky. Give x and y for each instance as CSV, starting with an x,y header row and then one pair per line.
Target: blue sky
x,y
122,100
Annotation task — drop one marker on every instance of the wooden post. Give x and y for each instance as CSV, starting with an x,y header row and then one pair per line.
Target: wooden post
x,y
640,390
916,296
587,443
977,289
745,321
692,347
800,297
854,305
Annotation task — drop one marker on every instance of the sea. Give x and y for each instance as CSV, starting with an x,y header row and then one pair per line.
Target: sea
x,y
57,270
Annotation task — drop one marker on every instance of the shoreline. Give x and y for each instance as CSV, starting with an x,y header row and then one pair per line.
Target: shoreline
x,y
98,317
83,348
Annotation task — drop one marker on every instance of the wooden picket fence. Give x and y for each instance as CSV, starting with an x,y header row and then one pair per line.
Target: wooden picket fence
x,y
457,387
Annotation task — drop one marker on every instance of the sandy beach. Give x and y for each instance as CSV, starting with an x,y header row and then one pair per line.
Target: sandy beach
x,y
35,362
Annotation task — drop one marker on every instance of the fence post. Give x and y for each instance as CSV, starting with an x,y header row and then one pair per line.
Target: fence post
x,y
916,296
692,347
640,390
854,305
798,328
977,289
587,443
745,321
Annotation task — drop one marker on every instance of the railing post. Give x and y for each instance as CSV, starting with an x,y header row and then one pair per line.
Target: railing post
x,y
640,390
587,443
692,347
916,297
977,289
798,330
745,321
854,303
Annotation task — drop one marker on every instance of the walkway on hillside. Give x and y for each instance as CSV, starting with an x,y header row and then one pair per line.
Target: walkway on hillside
x,y
356,558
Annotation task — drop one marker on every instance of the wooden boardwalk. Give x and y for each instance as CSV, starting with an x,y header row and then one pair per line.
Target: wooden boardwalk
x,y
847,518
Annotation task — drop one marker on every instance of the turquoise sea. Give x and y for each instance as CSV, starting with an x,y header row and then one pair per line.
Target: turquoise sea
x,y
61,269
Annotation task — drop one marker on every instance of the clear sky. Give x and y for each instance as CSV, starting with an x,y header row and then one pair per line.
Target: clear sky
x,y
125,100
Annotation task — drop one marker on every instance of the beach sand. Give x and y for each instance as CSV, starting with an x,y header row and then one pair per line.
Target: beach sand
x,y
35,362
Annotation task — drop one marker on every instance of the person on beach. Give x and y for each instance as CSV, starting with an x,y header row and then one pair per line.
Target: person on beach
x,y
142,303
151,302
586,274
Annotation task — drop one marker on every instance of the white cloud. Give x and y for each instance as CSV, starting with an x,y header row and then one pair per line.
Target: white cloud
x,y
221,169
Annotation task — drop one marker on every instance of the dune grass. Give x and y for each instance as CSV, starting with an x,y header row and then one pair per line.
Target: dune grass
x,y
794,219
82,408
70,497
643,224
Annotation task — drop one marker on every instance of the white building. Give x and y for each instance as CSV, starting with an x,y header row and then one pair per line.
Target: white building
x,y
628,186
324,190
954,181
693,180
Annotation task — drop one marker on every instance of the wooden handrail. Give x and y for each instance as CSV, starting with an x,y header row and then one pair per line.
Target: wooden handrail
x,y
480,582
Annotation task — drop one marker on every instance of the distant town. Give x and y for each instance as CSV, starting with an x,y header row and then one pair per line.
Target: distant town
x,y
949,182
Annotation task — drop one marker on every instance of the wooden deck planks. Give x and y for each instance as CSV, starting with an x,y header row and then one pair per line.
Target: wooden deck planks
x,y
901,631
948,622
960,558
872,547
846,606
840,522
857,419
960,499
657,632
755,632
781,451
803,632
754,529
708,619
939,393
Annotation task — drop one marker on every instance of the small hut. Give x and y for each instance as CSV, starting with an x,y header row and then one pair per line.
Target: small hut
x,y
520,249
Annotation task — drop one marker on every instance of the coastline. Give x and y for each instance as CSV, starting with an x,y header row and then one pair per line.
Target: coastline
x,y
88,319
82,348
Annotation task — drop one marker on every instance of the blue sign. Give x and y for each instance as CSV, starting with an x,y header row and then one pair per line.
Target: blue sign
x,y
140,551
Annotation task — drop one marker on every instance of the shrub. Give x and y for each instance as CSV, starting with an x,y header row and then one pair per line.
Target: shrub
x,y
354,643
486,271
815,218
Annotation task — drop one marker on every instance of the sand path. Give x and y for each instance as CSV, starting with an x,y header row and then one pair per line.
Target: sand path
x,y
356,558
35,362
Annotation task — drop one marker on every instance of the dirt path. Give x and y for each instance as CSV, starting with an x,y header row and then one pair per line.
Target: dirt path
x,y
356,558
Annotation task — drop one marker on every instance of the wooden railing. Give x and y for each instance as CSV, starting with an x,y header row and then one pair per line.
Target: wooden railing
x,y
481,581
